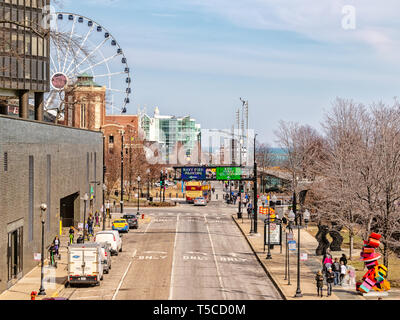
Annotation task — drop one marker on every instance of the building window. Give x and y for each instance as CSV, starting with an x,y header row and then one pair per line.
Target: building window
x,y
5,161
111,139
83,115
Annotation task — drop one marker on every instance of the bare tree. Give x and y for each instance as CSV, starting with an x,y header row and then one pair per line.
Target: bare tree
x,y
113,172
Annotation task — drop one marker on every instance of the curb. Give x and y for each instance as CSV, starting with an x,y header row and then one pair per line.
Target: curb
x,y
270,276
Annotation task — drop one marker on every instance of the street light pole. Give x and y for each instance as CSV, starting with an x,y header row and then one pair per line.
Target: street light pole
x,y
43,208
85,199
122,172
298,290
138,181
269,231
255,187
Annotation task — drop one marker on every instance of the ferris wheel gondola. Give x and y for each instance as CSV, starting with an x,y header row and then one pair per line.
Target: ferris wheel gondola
x,y
83,46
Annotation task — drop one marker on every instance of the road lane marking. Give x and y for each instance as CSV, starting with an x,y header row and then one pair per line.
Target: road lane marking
x,y
215,260
123,277
171,283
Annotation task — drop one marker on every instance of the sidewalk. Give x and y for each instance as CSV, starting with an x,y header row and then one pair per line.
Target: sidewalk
x,y
275,267
54,278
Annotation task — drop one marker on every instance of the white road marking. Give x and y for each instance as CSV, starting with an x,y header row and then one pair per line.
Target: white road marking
x,y
215,260
123,277
171,284
146,228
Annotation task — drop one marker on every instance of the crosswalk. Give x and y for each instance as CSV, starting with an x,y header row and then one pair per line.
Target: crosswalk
x,y
188,214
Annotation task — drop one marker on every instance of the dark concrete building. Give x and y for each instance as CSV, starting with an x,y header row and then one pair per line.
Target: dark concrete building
x,y
24,55
43,163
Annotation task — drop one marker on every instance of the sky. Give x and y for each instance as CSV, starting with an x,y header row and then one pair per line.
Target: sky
x,y
289,58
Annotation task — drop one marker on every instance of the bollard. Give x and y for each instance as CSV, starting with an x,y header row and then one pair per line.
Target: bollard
x,y
33,295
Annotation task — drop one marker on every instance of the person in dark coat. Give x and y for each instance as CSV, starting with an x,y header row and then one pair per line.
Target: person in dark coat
x,y
319,278
330,278
344,259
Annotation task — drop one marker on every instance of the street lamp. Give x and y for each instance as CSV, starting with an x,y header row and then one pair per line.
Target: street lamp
x,y
298,290
291,217
255,206
148,184
85,199
122,171
138,195
104,207
43,208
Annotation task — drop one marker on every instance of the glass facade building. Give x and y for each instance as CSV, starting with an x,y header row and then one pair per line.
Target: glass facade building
x,y
24,52
170,132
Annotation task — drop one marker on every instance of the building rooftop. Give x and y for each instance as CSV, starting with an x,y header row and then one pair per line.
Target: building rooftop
x,y
86,80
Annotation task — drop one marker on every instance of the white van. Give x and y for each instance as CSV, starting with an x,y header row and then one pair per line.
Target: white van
x,y
112,237
84,264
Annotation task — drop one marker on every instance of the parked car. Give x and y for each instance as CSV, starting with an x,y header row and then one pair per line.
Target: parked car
x,y
132,220
121,225
84,264
200,201
105,248
112,237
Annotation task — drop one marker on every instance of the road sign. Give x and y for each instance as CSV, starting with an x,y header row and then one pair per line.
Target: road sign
x,y
292,245
289,236
193,173
37,256
229,173
303,257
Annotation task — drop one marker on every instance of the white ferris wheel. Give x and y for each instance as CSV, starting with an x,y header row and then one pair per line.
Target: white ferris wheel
x,y
81,46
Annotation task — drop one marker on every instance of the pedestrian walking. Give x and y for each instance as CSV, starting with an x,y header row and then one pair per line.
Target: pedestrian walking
x,y
327,260
56,243
343,271
336,271
90,225
330,278
344,259
290,226
52,251
319,278
71,234
97,219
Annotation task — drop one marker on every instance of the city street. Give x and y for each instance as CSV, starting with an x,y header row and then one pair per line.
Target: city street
x,y
183,253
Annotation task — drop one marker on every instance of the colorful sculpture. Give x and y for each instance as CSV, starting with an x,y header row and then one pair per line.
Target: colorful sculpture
x,y
375,278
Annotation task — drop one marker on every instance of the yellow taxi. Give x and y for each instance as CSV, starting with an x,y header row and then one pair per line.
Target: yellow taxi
x,y
121,225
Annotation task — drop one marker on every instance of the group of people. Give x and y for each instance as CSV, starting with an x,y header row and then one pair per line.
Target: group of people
x,y
333,272
89,227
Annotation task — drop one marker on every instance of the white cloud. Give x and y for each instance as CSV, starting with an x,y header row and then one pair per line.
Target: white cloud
x,y
376,23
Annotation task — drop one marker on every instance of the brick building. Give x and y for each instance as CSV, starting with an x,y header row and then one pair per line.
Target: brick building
x,y
85,104
112,132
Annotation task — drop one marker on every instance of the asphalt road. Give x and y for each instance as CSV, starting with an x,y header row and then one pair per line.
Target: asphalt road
x,y
183,253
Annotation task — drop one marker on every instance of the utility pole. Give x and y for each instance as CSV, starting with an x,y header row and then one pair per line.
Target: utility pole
x,y
255,187
122,172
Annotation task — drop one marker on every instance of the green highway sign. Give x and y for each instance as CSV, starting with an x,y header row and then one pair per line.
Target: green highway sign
x,y
229,173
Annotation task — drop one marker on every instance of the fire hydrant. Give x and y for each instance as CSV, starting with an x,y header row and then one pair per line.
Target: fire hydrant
x,y
142,215
33,295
